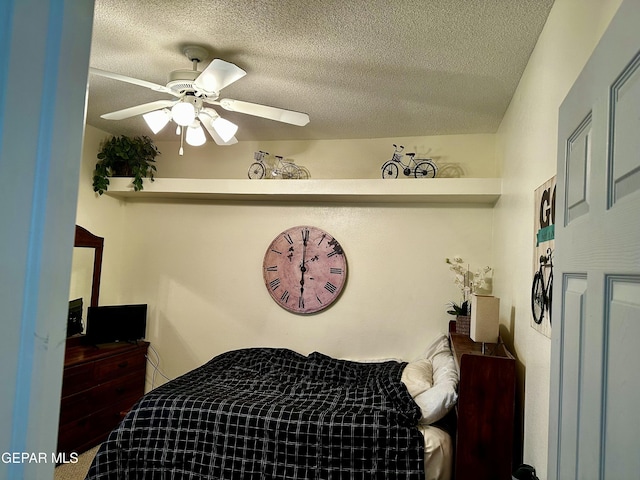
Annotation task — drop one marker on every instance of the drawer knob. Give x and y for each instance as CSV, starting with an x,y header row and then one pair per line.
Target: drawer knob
x,y
123,364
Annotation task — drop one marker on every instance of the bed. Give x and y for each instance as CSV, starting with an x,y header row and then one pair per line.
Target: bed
x,y
270,413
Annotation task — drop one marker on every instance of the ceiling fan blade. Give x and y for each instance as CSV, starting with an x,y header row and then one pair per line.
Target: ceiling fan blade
x,y
138,110
287,116
206,119
218,75
134,81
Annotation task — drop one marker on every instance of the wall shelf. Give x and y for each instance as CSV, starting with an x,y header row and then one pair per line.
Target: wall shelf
x,y
484,191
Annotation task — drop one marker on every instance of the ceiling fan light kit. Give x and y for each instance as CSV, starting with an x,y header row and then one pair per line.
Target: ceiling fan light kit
x,y
195,135
225,128
194,89
157,119
183,114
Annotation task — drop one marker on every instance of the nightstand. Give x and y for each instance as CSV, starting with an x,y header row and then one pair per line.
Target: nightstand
x,y
486,409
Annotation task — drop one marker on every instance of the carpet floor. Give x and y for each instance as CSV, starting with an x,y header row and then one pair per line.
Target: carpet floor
x,y
76,471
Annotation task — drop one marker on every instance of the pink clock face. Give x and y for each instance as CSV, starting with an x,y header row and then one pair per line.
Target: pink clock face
x,y
304,269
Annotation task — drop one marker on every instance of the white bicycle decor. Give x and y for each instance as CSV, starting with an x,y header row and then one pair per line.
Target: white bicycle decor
x,y
281,168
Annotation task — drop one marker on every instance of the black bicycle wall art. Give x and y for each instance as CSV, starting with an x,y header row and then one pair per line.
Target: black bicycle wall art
x,y
542,288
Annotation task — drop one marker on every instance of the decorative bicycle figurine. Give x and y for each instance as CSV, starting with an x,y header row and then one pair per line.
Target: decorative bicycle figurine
x,y
282,168
419,168
541,290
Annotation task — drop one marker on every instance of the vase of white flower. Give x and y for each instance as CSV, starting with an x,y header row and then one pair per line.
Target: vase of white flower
x,y
468,282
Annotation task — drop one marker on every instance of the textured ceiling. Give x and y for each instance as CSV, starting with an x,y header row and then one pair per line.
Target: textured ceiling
x,y
360,69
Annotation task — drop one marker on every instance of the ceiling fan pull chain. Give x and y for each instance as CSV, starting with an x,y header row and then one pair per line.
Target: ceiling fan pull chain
x,y
181,151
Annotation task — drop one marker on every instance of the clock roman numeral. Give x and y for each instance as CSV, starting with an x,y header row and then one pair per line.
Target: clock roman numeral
x,y
276,251
322,238
336,248
318,298
273,284
332,253
300,302
305,235
335,271
330,287
285,296
288,238
273,268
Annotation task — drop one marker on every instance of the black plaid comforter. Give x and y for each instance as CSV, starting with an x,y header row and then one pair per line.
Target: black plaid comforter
x,y
270,414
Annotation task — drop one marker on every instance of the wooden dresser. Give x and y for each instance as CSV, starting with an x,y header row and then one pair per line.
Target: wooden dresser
x,y
486,409
99,384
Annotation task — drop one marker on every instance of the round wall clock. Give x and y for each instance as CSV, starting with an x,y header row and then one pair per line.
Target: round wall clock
x,y
304,269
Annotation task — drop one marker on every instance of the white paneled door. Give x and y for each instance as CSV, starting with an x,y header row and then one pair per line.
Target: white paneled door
x,y
594,430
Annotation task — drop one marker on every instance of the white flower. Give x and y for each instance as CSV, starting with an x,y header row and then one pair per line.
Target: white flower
x,y
464,279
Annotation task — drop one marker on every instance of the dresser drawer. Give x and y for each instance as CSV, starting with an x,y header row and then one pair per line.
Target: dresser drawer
x,y
77,378
127,390
119,366
84,433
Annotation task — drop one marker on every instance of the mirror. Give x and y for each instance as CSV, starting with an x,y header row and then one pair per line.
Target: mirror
x,y
86,268
81,277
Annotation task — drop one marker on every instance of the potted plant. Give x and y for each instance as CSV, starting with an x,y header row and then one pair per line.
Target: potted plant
x,y
468,283
123,156
458,310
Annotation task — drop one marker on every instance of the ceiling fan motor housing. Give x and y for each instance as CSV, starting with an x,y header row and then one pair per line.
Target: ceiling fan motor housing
x,y
181,81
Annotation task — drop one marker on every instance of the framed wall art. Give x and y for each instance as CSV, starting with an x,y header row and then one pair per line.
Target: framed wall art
x,y
543,251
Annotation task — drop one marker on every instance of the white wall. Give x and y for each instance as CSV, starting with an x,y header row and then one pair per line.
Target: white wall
x,y
200,267
526,152
199,264
474,154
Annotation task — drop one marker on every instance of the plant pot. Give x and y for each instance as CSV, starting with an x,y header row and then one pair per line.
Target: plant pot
x,y
122,170
463,323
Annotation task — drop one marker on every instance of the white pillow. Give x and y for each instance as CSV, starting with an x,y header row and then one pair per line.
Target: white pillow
x,y
444,369
418,376
440,344
438,400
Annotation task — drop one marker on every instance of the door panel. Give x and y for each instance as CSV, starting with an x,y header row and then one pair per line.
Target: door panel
x,y
621,420
595,386
624,157
572,321
578,166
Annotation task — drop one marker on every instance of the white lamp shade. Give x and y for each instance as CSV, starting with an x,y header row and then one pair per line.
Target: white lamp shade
x,y
224,128
195,135
485,318
183,113
157,119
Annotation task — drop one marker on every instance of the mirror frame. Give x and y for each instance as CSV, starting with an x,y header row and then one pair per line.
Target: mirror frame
x,y
85,239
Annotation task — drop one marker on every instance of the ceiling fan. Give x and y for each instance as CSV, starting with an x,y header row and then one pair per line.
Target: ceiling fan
x,y
194,91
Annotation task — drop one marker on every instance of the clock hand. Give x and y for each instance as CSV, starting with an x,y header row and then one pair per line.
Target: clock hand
x,y
303,269
305,237
301,301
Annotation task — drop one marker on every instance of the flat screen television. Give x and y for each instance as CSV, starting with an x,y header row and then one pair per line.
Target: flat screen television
x,y
116,323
